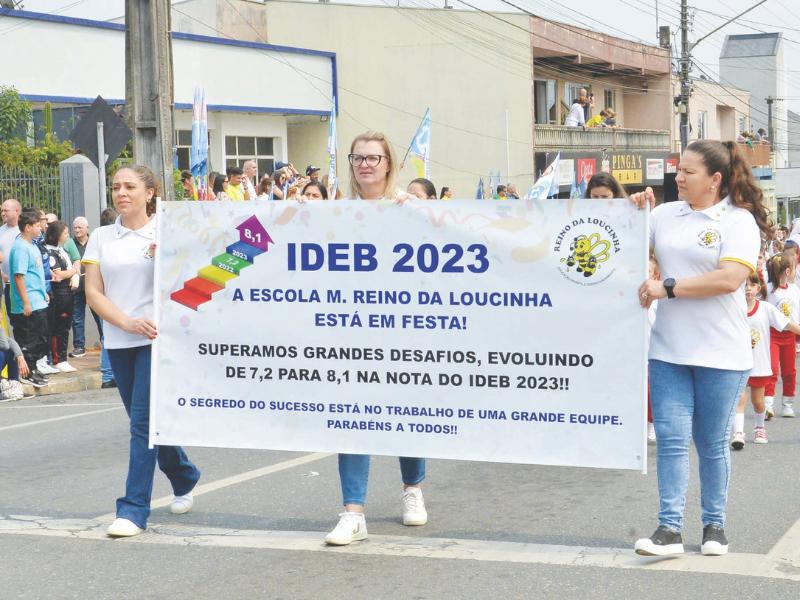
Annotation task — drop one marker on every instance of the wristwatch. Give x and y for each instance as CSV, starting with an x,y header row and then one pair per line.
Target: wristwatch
x,y
669,285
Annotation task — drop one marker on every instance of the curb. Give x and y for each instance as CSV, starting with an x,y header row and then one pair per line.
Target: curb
x,y
66,383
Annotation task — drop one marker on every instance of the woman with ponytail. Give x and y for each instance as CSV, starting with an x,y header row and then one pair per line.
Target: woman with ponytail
x,y
119,287
706,244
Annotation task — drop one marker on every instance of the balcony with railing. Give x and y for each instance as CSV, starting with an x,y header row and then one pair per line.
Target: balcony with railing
x,y
758,154
555,138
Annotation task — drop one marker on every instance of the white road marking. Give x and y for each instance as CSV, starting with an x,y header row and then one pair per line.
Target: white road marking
x,y
60,405
61,418
787,549
746,565
233,480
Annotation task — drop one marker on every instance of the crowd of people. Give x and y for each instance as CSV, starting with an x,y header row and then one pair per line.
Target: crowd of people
x,y
716,327
43,297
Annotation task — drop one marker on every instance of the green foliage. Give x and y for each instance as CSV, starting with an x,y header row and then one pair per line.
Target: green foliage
x,y
16,153
180,193
15,113
48,118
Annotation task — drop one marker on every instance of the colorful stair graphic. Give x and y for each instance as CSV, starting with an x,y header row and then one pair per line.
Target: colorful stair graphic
x,y
253,241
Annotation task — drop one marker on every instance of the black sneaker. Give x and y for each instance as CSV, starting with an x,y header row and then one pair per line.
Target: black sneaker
x,y
111,383
663,542
77,352
34,379
714,541
41,376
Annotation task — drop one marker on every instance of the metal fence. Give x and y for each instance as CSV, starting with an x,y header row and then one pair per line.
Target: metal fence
x,y
32,186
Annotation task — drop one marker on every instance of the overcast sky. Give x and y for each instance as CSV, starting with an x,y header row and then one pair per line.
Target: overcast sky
x,y
615,17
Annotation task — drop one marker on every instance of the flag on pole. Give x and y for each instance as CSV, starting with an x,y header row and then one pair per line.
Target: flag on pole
x,y
479,195
574,190
547,184
421,146
198,156
494,181
332,183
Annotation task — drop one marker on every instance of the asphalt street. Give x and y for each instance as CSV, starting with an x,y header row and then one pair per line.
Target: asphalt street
x,y
257,528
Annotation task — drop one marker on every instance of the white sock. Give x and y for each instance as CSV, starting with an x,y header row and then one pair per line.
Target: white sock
x,y
769,401
788,401
760,419
738,422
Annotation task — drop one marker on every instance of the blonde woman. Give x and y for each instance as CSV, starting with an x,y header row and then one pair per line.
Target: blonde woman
x,y
373,173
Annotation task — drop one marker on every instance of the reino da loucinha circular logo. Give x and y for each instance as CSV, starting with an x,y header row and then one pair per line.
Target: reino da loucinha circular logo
x,y
586,247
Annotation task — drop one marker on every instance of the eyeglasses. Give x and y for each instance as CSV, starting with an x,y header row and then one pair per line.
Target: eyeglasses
x,y
372,160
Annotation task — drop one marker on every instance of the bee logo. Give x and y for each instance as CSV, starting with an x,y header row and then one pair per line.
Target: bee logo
x,y
709,238
586,254
786,307
755,337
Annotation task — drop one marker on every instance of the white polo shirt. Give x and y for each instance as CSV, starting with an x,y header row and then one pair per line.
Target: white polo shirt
x,y
7,237
763,317
786,298
704,332
127,266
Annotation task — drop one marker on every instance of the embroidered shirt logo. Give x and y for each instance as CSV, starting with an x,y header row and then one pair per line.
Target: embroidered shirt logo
x,y
709,238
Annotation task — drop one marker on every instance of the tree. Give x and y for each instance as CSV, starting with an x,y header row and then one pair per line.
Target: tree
x,y
15,113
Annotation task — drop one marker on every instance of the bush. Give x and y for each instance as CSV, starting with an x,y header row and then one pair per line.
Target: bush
x,y
16,153
15,113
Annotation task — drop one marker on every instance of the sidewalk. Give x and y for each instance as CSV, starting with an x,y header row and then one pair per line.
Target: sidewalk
x,y
87,377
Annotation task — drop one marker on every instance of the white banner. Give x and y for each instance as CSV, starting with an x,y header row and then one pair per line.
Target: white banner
x,y
465,330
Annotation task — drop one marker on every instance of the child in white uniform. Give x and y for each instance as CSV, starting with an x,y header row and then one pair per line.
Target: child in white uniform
x,y
762,316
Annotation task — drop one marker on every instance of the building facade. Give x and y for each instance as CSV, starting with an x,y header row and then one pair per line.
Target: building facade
x,y
248,117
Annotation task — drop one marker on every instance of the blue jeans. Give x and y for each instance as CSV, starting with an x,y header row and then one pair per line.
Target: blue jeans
x,y
132,372
79,321
9,360
105,365
693,403
354,474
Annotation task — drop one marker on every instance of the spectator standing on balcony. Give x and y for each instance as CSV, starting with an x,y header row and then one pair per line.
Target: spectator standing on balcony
x,y
588,105
577,116
511,191
761,136
611,118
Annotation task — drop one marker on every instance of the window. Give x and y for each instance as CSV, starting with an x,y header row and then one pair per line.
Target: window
x,y
742,124
571,92
610,99
702,120
183,148
544,99
239,149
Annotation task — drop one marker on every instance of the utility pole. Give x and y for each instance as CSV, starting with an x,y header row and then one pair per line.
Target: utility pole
x,y
148,86
686,84
770,100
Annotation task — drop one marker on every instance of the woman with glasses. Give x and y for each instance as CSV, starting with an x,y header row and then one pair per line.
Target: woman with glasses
x,y
373,172
220,185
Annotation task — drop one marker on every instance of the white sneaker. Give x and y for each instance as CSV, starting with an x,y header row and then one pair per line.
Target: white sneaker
x,y
414,512
123,528
17,392
351,527
44,367
65,367
788,411
651,434
181,504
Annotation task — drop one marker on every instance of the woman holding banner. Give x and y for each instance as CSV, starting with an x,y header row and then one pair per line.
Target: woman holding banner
x,y
373,172
119,287
700,356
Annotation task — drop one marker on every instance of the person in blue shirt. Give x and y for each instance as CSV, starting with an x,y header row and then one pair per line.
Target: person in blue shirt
x,y
28,295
